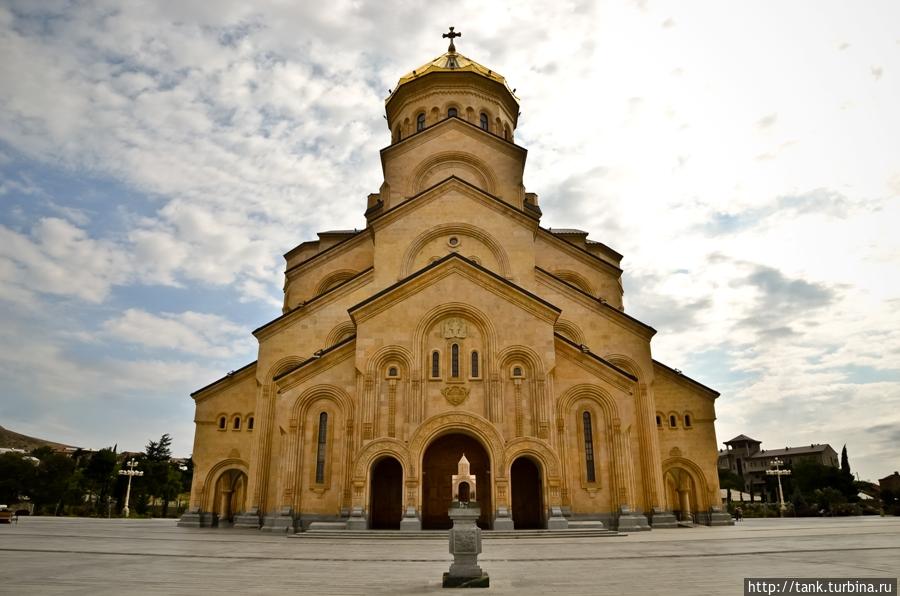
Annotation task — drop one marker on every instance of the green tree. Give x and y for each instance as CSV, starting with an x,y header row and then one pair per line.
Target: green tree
x,y
99,474
16,477
162,478
845,462
52,481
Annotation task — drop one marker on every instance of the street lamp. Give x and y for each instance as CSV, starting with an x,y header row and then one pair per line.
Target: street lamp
x,y
131,473
778,473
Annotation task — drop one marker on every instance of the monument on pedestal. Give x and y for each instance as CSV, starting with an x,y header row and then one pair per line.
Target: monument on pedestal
x,y
465,536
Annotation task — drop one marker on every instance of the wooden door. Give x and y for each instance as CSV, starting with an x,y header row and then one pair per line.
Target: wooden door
x,y
439,464
527,505
386,508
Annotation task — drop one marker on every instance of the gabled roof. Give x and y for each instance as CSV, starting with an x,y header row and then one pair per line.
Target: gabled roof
x,y
741,439
455,259
230,377
677,374
493,200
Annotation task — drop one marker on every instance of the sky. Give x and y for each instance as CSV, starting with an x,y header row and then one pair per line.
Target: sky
x,y
157,159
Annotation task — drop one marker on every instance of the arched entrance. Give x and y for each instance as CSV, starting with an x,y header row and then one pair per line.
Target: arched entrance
x,y
527,494
439,464
386,490
230,496
681,492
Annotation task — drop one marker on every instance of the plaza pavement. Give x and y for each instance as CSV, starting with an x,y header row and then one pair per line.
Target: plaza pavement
x,y
97,556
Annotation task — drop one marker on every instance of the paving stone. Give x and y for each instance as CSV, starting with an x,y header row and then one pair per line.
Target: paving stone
x,y
95,556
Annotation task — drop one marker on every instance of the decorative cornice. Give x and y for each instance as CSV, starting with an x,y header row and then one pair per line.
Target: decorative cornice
x,y
319,362
610,312
234,376
312,305
590,361
454,263
683,379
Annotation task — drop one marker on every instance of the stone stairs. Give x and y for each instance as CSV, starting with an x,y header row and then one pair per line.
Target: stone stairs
x,y
338,534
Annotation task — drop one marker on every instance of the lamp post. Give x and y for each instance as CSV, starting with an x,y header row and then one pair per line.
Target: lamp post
x,y
131,473
778,473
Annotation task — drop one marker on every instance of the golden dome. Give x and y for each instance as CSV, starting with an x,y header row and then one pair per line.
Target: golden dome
x,y
451,62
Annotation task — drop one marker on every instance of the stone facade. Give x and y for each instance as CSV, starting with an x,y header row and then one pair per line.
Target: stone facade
x,y
453,323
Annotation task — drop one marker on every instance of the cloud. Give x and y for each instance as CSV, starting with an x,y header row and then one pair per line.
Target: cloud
x,y
767,121
61,259
201,334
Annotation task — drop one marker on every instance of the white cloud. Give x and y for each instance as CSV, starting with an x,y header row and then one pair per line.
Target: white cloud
x,y
188,332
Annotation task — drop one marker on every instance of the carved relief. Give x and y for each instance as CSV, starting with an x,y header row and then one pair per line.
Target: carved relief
x,y
455,394
454,328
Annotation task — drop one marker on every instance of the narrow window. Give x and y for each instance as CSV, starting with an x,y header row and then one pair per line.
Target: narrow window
x,y
320,450
484,121
393,372
222,423
687,419
237,423
420,122
672,422
454,360
452,113
475,364
250,423
589,447
517,371
435,364
658,420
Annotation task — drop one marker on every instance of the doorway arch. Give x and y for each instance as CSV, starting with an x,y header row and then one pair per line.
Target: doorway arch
x,y
527,494
439,463
386,490
230,496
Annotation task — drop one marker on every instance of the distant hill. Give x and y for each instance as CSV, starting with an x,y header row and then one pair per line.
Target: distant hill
x,y
16,440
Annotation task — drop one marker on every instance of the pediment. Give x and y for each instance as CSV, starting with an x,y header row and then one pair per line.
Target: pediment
x,y
454,184
467,276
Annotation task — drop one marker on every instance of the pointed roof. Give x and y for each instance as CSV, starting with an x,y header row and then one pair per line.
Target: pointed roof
x,y
452,62
741,439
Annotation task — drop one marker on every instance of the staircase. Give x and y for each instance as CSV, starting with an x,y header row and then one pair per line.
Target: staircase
x,y
337,534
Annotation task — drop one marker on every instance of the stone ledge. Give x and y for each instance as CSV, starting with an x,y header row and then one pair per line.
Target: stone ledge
x,y
453,581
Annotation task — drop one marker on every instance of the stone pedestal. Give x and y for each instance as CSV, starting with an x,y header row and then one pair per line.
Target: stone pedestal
x,y
503,522
663,519
631,521
410,521
357,520
248,519
194,518
556,521
718,517
465,545
283,521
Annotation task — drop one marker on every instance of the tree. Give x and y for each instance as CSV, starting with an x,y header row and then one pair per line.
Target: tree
x,y
162,479
16,477
98,476
845,462
52,480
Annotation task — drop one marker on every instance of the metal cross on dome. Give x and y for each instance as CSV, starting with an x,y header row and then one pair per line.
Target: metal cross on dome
x,y
453,34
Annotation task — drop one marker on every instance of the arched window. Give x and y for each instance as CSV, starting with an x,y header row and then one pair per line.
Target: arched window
x,y
484,121
435,365
687,420
658,420
454,360
250,423
452,113
420,122
393,372
589,447
475,373
320,449
222,423
672,422
237,423
517,372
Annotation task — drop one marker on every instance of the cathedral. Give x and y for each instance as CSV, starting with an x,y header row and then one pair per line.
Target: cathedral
x,y
453,325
